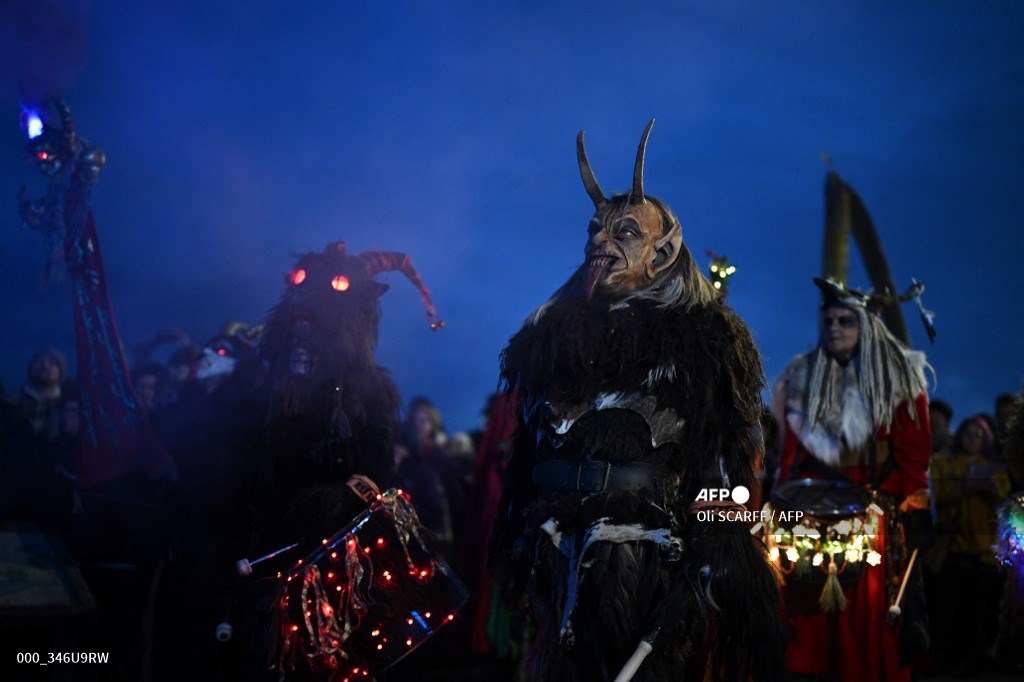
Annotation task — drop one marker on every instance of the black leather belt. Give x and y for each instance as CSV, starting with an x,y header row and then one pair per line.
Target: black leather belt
x,y
594,476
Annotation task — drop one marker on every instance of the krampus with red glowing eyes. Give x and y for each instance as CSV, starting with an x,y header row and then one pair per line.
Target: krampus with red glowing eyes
x,y
313,430
330,411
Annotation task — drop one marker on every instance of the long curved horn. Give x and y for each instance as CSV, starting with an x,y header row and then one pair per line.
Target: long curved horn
x,y
589,181
636,196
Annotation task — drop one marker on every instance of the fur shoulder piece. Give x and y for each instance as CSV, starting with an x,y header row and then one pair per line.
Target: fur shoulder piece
x,y
577,350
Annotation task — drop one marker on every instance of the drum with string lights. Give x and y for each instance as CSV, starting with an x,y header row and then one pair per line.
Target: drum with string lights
x,y
833,540
369,596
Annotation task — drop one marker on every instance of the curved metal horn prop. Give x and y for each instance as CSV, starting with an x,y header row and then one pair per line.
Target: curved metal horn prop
x,y
636,196
589,181
66,122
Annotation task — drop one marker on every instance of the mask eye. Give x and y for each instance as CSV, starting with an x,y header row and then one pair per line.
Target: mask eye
x,y
340,283
298,277
42,156
221,351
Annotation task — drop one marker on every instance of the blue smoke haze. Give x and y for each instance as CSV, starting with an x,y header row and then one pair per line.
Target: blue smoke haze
x,y
239,133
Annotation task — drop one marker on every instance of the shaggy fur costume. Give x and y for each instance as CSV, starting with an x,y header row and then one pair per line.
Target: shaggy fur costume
x,y
715,603
318,429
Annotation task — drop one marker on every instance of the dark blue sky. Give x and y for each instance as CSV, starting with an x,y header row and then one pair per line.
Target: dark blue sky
x,y
240,132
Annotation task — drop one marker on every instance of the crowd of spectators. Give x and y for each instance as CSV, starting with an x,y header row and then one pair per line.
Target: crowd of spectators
x,y
454,481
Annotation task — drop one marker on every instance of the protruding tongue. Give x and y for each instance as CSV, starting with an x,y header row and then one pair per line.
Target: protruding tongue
x,y
596,271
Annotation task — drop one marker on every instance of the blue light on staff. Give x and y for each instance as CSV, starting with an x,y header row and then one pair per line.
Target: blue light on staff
x,y
32,124
35,126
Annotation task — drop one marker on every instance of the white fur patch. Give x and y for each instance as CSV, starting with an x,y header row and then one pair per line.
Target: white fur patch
x,y
607,401
856,424
660,373
551,528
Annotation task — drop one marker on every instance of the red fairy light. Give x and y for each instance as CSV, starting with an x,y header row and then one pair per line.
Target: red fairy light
x,y
334,555
408,642
379,647
324,541
340,283
366,673
427,614
408,621
451,616
298,277
339,588
351,543
380,542
295,628
330,574
366,549
374,633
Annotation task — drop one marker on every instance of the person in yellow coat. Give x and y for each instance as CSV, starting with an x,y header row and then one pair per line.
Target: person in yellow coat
x,y
968,484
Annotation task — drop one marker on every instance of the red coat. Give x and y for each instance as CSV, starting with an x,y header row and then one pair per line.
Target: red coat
x,y
910,445
856,644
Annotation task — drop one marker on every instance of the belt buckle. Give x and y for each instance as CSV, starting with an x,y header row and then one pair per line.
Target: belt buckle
x,y
590,488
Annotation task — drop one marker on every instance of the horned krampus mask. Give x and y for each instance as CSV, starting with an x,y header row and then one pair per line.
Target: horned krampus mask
x,y
633,238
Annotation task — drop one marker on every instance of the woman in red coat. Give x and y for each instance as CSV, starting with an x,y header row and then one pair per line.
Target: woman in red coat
x,y
854,409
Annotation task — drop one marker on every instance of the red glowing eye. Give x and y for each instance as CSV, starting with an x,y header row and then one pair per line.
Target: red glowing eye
x,y
42,156
340,283
221,351
298,277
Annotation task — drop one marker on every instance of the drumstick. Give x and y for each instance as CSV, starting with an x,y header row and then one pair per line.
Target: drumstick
x,y
895,609
633,664
244,566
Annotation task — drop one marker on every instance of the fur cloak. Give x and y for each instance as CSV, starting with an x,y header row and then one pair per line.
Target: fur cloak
x,y
715,603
